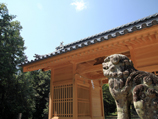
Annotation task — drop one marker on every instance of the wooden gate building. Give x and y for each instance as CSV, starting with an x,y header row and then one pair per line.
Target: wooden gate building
x,y
76,68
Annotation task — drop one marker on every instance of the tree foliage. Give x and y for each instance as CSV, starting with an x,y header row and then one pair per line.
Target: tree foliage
x,y
109,102
11,44
11,54
20,95
41,83
24,93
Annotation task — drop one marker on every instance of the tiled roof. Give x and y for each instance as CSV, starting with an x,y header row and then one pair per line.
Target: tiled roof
x,y
118,31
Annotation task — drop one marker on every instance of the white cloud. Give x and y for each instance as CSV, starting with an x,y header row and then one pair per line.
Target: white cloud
x,y
80,5
39,5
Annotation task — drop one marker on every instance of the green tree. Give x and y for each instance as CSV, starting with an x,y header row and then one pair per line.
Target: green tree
x,y
109,102
11,44
20,97
25,94
41,84
11,54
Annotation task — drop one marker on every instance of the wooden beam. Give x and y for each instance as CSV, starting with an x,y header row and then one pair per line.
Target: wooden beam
x,y
150,68
46,65
132,55
94,68
93,77
46,69
151,38
102,53
64,82
105,81
156,35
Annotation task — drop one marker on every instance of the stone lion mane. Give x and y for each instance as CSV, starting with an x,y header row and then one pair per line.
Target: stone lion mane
x,y
128,85
124,65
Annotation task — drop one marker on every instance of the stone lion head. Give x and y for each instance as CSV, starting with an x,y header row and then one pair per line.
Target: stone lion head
x,y
117,65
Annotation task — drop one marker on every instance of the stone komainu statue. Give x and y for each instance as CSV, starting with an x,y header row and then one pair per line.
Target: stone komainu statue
x,y
128,85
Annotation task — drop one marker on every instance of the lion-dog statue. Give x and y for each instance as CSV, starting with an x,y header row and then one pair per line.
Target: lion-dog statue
x,y
128,85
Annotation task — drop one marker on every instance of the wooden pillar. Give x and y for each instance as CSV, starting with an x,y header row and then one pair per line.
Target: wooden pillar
x,y
90,93
50,109
101,96
51,95
75,113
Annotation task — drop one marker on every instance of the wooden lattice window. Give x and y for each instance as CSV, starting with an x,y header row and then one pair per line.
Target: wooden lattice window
x,y
83,99
63,100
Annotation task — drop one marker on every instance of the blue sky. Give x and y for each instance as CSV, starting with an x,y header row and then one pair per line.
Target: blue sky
x,y
46,23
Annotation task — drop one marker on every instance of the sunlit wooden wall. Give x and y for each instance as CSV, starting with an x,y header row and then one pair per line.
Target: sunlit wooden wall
x,y
83,100
83,97
88,99
97,101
